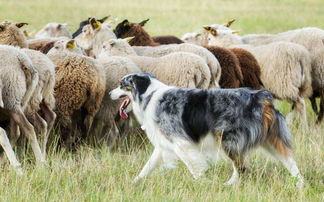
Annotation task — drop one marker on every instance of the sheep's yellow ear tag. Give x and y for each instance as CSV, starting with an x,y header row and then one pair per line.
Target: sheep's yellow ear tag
x,y
235,32
213,32
70,45
26,33
127,24
96,25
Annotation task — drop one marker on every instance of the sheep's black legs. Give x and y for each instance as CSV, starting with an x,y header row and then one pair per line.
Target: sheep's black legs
x,y
321,112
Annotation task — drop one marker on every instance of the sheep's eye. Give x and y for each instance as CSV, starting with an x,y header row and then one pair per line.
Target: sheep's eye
x,y
56,47
104,47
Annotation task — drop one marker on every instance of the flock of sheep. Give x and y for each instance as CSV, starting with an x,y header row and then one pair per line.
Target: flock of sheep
x,y
52,79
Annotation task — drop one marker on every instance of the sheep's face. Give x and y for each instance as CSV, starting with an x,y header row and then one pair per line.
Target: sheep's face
x,y
194,38
122,28
85,39
222,37
66,45
10,34
54,30
116,47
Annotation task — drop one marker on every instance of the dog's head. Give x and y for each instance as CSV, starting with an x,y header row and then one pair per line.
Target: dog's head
x,y
131,88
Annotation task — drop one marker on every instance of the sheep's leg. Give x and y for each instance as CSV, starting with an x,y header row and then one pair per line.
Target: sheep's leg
x,y
49,116
321,112
88,123
14,132
301,108
314,105
41,127
29,131
4,142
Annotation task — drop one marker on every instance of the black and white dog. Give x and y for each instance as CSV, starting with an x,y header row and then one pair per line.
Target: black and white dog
x,y
185,124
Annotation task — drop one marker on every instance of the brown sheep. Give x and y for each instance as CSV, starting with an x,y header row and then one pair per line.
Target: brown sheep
x,y
231,76
169,39
141,37
250,68
79,87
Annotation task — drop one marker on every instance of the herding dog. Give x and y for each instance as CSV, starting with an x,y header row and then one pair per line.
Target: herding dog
x,y
184,124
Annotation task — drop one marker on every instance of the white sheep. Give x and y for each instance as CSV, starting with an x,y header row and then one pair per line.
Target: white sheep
x,y
93,35
285,67
43,96
178,69
193,38
312,39
54,29
18,81
210,59
115,68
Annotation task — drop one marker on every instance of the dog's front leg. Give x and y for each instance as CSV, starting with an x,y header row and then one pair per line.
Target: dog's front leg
x,y
152,163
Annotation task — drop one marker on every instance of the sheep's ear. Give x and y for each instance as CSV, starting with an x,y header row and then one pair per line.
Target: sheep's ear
x,y
129,39
229,23
197,35
111,42
207,27
213,32
126,23
102,20
21,24
95,24
71,45
143,22
235,32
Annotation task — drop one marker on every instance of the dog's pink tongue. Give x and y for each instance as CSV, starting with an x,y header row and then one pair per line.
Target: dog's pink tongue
x,y
122,108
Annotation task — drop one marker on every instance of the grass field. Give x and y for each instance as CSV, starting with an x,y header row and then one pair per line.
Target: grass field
x,y
93,174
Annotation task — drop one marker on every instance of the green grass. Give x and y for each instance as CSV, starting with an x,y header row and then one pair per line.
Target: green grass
x,y
93,174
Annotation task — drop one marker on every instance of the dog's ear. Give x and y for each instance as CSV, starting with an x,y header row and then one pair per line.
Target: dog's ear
x,y
141,83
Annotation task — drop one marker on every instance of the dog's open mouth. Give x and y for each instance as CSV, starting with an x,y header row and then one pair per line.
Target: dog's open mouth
x,y
122,108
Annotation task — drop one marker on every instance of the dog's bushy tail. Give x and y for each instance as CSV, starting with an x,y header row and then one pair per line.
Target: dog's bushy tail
x,y
276,131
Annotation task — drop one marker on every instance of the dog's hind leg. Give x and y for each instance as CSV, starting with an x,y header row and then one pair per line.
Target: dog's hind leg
x,y
283,154
192,157
151,165
4,142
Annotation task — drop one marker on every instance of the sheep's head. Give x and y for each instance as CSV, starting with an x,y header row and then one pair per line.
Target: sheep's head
x,y
10,34
117,47
66,45
193,37
222,37
225,26
125,26
54,29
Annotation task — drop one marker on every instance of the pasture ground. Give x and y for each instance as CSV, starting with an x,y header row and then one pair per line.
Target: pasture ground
x,y
93,174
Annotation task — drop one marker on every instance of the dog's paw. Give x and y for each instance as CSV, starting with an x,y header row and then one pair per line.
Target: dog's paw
x,y
135,180
232,182
300,184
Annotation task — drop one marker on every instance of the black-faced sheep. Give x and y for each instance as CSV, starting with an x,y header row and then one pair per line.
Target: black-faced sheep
x,y
142,38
